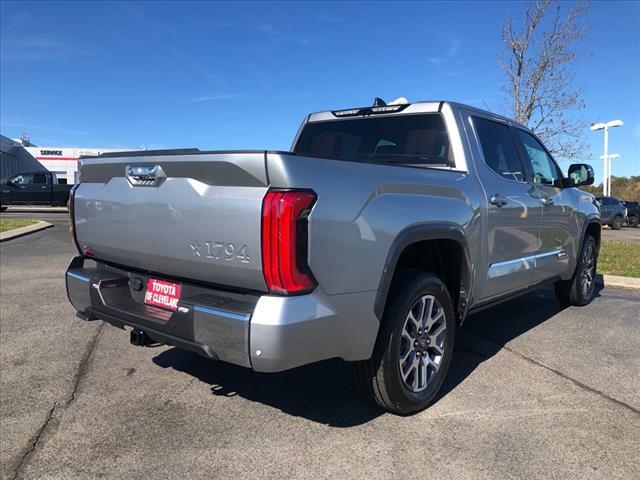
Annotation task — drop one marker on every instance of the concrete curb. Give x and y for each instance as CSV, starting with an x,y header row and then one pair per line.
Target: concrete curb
x,y
618,282
22,231
36,209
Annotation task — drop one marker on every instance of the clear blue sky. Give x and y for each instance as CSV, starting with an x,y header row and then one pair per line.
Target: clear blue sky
x,y
243,75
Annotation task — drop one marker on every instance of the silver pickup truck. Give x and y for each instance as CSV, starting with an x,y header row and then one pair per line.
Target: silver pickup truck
x,y
370,241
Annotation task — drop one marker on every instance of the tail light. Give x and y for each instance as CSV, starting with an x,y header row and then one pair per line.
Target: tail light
x,y
72,221
285,241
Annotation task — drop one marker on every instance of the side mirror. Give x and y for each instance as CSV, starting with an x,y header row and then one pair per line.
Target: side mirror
x,y
580,174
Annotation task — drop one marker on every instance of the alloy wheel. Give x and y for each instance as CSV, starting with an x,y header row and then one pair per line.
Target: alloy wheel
x,y
422,343
588,270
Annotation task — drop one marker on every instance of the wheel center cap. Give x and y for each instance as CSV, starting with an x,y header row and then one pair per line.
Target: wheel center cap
x,y
423,342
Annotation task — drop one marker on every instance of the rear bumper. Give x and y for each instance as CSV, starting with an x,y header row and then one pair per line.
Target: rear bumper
x,y
266,333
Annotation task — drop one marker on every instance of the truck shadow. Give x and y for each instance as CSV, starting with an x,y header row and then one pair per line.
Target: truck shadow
x,y
322,392
485,333
325,393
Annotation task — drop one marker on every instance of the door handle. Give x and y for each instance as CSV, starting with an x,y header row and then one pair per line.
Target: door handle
x,y
498,200
547,202
44,186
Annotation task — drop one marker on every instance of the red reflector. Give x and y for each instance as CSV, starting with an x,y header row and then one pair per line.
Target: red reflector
x,y
283,243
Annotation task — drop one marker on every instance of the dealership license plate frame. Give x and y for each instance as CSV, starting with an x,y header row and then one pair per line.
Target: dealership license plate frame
x,y
163,294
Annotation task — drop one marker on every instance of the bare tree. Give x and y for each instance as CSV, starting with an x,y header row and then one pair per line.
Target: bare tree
x,y
538,63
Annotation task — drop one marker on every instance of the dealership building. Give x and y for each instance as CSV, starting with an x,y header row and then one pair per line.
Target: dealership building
x,y
20,155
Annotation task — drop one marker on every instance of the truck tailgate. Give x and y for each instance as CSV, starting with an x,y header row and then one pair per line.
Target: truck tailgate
x,y
195,216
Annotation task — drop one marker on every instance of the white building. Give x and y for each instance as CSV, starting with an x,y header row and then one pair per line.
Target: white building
x,y
20,155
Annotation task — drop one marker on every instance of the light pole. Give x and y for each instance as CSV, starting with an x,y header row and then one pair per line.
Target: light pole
x,y
612,156
606,184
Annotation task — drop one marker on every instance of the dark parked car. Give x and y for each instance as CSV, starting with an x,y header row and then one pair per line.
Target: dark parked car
x,y
633,213
33,188
612,212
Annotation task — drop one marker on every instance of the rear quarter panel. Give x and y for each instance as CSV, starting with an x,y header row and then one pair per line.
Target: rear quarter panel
x,y
362,208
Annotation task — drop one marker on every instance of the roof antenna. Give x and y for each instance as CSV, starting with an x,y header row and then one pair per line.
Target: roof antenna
x,y
378,102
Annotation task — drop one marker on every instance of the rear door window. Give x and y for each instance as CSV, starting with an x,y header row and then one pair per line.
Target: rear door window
x,y
39,178
415,140
499,149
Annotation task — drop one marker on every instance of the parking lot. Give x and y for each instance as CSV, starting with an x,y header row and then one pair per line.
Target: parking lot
x,y
534,391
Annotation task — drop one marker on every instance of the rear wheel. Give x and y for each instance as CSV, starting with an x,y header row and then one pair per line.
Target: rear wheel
x,y
617,223
632,221
578,290
414,347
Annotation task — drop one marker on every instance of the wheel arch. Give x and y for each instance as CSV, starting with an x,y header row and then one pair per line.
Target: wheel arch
x,y
445,238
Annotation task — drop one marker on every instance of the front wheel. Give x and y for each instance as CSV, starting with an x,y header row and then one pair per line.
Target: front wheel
x,y
414,347
617,223
578,290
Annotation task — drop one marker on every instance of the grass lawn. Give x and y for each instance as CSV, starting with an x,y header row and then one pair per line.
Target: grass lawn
x,y
10,223
619,258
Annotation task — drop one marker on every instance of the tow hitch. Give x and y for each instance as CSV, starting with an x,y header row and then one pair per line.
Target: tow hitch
x,y
141,339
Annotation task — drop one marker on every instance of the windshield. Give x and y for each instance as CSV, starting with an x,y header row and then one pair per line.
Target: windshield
x,y
416,140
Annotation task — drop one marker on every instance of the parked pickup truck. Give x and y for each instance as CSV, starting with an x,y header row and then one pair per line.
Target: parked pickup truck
x,y
33,188
633,213
370,241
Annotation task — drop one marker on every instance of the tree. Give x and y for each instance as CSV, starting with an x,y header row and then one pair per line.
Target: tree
x,y
537,63
624,188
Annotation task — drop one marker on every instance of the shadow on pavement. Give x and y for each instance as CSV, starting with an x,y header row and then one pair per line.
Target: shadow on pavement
x,y
486,333
324,392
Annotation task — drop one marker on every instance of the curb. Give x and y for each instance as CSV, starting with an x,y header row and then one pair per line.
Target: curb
x,y
28,209
618,282
22,231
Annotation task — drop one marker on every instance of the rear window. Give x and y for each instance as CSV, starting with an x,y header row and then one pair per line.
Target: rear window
x,y
414,140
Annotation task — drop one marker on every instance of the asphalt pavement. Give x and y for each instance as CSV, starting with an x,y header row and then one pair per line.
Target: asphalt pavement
x,y
535,391
625,234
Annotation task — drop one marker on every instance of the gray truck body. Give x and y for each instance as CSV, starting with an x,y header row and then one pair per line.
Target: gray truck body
x,y
205,207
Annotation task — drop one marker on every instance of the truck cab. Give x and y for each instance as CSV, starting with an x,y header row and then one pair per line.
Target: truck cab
x,y
33,188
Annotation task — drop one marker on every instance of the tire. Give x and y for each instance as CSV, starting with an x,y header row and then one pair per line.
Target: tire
x,y
574,291
380,379
632,221
617,223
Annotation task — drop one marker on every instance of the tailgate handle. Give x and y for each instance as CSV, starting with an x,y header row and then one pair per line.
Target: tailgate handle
x,y
145,175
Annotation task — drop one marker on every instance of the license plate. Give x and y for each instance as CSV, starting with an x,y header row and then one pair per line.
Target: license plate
x,y
162,294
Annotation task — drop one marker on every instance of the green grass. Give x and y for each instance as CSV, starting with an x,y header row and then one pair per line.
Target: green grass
x,y
619,258
9,224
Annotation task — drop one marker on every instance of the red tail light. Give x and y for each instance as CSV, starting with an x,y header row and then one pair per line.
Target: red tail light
x,y
284,241
72,221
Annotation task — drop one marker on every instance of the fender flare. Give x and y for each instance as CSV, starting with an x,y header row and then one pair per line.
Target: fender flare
x,y
418,233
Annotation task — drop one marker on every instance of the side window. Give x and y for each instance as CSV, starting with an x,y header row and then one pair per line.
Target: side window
x,y
39,178
499,149
22,179
545,171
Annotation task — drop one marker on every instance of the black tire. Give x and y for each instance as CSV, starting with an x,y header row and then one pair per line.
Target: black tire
x,y
617,223
379,379
571,292
632,221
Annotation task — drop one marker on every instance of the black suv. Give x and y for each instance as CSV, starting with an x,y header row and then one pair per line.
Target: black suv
x,y
633,213
612,212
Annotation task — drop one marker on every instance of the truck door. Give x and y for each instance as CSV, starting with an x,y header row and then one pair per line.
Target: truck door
x,y
514,211
40,189
560,236
17,189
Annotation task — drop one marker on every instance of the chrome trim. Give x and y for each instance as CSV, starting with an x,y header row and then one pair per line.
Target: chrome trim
x,y
78,277
508,267
222,313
